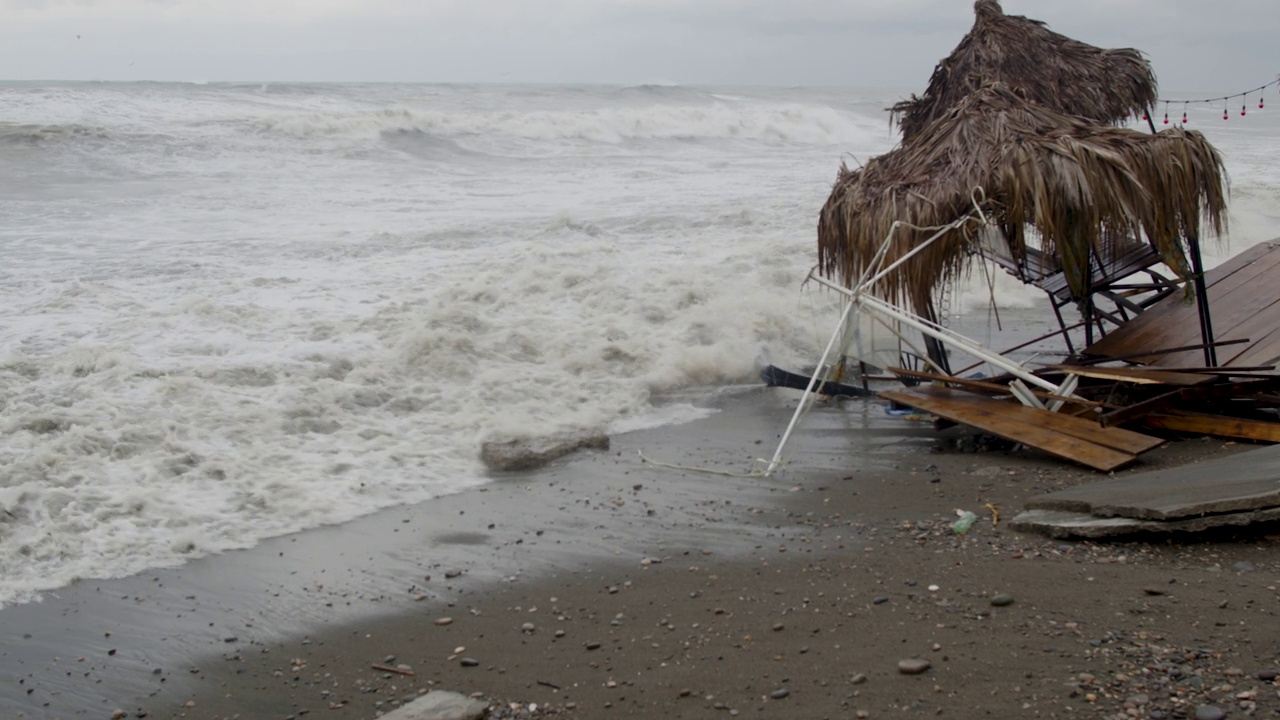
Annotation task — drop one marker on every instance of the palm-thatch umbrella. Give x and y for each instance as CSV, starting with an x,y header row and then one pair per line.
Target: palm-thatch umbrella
x,y
1082,187
1043,66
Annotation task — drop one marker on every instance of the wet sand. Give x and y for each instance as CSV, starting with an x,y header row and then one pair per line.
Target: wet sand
x,y
607,586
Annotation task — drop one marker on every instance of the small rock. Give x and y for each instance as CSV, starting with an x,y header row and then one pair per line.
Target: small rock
x,y
1002,600
779,693
593,646
469,662
913,666
444,621
440,705
880,600
527,453
118,714
1241,567
1268,675
857,679
527,628
1210,712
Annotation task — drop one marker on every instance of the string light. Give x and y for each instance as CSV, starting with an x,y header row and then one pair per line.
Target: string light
x,y
1226,114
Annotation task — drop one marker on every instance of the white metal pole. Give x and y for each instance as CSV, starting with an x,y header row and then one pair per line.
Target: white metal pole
x,y
874,304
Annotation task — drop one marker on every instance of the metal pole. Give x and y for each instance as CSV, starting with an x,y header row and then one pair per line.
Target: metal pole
x,y
1202,301
874,304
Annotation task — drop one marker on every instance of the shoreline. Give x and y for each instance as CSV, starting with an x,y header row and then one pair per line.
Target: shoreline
x,y
97,642
678,594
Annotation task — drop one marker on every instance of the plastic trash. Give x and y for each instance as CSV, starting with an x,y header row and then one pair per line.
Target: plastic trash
x,y
966,521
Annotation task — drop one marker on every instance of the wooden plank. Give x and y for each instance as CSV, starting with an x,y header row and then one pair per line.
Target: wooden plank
x,y
1217,425
1036,428
1115,438
984,387
1141,376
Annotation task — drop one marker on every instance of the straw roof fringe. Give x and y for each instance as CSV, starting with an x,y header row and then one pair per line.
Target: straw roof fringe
x,y
1040,65
1080,186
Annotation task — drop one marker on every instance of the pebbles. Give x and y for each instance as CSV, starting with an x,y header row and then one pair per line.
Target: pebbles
x,y
1002,600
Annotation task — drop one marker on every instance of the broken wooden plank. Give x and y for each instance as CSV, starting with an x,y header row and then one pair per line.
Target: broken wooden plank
x,y
1126,441
1144,408
1141,376
1216,425
1067,437
1154,353
990,388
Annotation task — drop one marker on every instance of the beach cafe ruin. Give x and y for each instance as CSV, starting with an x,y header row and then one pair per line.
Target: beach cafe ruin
x,y
1025,153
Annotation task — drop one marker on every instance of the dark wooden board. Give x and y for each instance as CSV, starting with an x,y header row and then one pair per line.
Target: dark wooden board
x,y
1071,438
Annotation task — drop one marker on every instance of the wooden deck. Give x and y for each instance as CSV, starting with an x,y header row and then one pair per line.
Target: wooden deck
x,y
1244,302
1072,438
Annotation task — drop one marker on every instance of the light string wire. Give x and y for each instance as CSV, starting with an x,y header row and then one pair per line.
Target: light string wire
x,y
1224,99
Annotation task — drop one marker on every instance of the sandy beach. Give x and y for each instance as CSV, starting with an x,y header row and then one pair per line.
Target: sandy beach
x,y
607,586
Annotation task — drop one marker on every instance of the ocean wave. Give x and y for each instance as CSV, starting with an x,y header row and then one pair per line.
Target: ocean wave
x,y
767,123
16,133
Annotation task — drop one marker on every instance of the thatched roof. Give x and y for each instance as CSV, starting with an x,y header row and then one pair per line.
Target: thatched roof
x,y
1081,186
1044,67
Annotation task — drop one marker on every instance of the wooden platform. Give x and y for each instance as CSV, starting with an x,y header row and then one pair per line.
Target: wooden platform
x,y
1244,303
1072,438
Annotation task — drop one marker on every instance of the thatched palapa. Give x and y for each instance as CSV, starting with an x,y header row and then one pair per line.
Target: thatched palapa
x,y
1082,187
1040,65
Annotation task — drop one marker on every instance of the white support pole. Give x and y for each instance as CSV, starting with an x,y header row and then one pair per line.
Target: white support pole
x,y
807,398
876,305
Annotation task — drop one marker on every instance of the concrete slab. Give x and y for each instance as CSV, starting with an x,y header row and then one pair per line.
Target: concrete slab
x,y
1064,524
1243,482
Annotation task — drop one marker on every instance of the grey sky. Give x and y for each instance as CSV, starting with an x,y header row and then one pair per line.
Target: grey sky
x,y
1221,46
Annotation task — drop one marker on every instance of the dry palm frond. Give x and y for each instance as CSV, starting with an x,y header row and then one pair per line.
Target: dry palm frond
x,y
1083,188
1042,66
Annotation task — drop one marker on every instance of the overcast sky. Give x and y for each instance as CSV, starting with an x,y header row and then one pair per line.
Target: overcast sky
x,y
1217,46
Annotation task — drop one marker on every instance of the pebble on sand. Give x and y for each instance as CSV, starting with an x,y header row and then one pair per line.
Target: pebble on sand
x,y
1210,712
1002,600
779,693
913,666
444,621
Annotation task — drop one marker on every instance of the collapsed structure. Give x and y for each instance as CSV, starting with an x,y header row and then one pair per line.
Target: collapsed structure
x,y
1016,154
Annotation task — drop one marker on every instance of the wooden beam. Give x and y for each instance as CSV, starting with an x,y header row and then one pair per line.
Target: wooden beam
x,y
1140,376
1217,425
990,388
